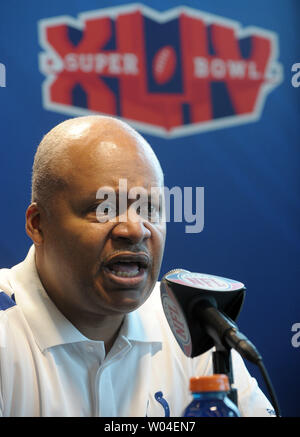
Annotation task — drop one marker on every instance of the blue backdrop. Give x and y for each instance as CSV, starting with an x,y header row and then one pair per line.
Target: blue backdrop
x,y
250,173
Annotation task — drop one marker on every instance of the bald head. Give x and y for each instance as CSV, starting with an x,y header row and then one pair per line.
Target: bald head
x,y
75,145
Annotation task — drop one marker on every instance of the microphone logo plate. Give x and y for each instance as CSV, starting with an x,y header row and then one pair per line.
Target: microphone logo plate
x,y
204,281
176,319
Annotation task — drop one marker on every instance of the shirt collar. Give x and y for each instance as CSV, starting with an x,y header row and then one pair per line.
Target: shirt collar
x,y
51,328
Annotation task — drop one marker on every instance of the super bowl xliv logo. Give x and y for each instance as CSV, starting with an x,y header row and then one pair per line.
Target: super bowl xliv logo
x,y
167,73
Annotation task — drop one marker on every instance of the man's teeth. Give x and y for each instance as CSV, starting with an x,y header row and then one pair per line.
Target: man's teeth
x,y
125,269
126,274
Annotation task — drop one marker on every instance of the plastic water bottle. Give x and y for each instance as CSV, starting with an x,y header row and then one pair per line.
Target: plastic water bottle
x,y
210,398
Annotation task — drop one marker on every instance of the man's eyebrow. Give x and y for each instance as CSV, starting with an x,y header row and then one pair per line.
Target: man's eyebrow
x,y
93,195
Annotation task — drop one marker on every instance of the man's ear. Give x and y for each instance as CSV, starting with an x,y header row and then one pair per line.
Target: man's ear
x,y
33,219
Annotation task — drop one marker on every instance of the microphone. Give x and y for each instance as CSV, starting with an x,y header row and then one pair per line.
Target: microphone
x,y
201,310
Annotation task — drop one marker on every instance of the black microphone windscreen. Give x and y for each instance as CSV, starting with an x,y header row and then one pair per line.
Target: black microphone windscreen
x,y
181,290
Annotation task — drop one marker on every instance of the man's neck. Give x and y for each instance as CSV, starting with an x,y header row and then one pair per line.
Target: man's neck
x,y
105,329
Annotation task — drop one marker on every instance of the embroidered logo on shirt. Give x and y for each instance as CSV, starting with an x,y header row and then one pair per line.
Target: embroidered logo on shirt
x,y
159,397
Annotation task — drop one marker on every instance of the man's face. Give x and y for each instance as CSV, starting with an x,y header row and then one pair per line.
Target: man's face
x,y
110,267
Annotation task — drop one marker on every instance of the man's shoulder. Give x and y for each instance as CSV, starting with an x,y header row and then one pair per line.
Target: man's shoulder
x,y
11,321
9,311
5,282
7,300
7,296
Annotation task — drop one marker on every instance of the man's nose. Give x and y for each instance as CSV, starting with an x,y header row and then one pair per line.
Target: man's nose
x,y
132,228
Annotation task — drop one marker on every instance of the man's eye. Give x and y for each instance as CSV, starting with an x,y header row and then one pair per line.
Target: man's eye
x,y
105,211
103,207
92,208
154,213
149,211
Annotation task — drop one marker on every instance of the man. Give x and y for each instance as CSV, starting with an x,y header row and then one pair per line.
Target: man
x,y
82,332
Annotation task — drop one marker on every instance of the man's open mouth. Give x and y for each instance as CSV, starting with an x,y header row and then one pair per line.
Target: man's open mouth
x,y
127,265
125,269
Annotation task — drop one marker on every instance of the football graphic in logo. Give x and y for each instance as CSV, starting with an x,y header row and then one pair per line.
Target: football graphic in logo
x,y
164,64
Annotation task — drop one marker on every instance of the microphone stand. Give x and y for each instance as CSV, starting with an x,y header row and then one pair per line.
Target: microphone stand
x,y
222,364
216,325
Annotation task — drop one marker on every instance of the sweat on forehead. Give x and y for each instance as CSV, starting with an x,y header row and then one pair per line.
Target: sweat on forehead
x,y
77,143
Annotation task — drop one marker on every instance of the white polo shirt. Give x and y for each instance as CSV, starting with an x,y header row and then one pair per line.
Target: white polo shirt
x,y
48,368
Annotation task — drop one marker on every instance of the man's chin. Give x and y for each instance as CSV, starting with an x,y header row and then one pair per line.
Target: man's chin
x,y
122,295
117,301
127,302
